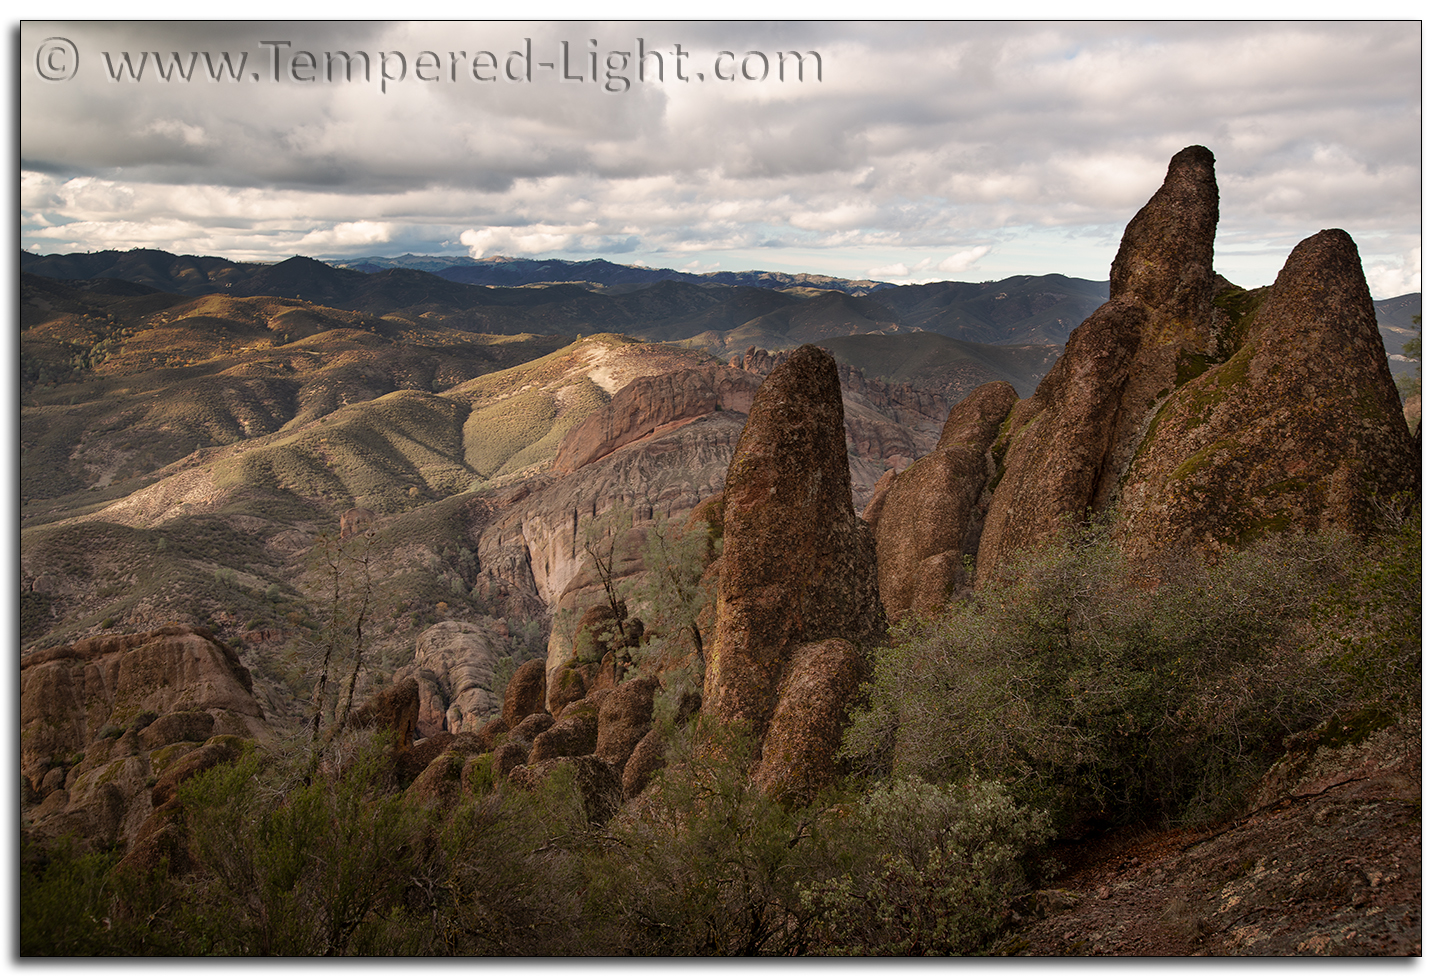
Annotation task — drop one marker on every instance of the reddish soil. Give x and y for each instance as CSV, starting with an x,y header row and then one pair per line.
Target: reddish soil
x,y
1327,862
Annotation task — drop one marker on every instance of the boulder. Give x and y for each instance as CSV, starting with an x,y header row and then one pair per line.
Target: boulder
x,y
591,703
597,782
647,758
797,565
177,727
492,733
216,751
395,707
821,682
573,736
454,667
529,728
412,762
509,755
928,517
440,782
526,693
625,717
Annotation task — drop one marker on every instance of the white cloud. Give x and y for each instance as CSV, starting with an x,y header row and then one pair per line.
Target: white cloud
x,y
887,272
962,261
922,138
348,235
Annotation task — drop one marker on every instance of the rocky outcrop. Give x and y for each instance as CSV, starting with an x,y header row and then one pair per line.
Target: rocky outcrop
x,y
356,521
442,780
526,693
396,707
111,725
1069,442
70,696
797,565
1300,428
454,668
1197,416
654,405
929,516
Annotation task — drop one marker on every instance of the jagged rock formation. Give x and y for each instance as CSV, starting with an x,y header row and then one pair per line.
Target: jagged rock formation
x,y
101,718
1062,456
1299,428
1200,419
454,666
797,565
929,516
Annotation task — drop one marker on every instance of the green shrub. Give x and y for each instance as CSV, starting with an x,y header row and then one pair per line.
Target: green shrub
x,y
294,868
1097,695
711,866
63,902
936,870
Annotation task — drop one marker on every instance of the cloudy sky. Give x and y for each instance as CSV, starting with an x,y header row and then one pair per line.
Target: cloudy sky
x,y
898,151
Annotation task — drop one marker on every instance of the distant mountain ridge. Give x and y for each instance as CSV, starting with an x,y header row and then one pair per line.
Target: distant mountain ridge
x,y
503,270
726,312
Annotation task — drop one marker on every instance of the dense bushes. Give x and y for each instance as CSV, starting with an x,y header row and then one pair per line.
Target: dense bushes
x,y
1071,690
706,864
1094,692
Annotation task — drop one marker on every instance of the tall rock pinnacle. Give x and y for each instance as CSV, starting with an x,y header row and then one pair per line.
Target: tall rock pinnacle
x,y
1201,414
1301,427
797,566
1068,443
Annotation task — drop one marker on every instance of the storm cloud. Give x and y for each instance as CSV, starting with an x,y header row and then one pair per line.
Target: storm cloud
x,y
904,151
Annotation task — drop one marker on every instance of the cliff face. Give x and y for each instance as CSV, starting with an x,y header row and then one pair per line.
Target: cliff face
x,y
654,405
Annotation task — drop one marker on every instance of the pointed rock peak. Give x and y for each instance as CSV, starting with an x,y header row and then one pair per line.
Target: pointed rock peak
x,y
797,566
1165,258
1322,287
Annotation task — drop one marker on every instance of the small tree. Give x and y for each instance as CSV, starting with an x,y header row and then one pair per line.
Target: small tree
x,y
347,566
674,586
